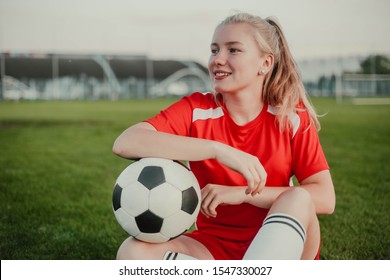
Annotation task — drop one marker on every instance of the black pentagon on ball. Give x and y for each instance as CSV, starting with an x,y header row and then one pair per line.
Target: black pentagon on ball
x,y
116,197
151,176
148,222
189,200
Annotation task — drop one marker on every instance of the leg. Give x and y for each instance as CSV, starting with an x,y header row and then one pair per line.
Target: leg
x,y
137,250
295,203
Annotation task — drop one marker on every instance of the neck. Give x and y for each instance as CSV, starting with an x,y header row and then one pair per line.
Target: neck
x,y
243,107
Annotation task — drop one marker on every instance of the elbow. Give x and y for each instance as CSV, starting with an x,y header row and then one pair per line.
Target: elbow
x,y
332,207
122,148
122,144
327,196
329,210
117,149
329,207
131,141
128,143
332,203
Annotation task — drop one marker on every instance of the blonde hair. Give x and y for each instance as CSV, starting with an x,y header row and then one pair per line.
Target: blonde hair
x,y
282,87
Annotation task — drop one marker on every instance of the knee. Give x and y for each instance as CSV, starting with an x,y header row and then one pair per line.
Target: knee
x,y
130,249
299,196
296,201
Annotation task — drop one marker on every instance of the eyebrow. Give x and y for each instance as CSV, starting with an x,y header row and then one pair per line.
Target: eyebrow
x,y
228,43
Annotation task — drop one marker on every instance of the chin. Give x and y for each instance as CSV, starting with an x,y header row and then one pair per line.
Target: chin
x,y
222,89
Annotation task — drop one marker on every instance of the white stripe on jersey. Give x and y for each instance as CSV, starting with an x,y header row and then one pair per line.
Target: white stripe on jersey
x,y
204,114
294,119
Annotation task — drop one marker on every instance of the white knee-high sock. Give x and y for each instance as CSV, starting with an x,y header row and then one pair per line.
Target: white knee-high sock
x,y
177,256
281,237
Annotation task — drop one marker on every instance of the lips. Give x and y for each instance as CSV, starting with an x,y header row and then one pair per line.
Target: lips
x,y
221,74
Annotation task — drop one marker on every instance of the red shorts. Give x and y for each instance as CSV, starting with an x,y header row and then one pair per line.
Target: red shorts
x,y
224,249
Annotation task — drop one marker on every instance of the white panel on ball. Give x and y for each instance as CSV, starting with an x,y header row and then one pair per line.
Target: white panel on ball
x,y
152,237
127,177
165,200
127,222
135,199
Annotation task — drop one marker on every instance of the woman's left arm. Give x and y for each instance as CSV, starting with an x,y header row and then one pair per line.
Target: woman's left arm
x,y
319,185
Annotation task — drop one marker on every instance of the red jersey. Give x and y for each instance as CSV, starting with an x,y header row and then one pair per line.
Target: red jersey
x,y
293,152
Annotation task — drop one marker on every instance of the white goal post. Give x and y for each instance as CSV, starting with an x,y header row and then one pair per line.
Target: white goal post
x,y
363,86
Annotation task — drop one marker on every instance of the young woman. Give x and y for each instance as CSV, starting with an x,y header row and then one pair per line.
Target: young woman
x,y
244,142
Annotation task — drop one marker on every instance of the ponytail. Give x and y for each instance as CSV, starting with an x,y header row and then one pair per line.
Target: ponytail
x,y
283,88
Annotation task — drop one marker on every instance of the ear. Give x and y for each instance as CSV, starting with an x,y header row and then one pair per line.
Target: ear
x,y
267,63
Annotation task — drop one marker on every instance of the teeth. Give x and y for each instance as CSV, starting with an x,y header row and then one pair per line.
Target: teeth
x,y
221,74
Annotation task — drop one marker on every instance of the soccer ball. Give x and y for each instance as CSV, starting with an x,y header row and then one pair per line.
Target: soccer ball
x,y
156,200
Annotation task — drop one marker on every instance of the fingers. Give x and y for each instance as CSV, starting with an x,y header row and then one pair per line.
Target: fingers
x,y
215,195
246,164
256,178
209,202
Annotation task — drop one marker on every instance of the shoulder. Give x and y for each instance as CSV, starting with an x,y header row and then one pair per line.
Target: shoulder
x,y
202,100
302,112
192,101
204,106
307,125
298,118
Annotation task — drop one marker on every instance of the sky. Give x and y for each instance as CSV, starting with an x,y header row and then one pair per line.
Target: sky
x,y
182,29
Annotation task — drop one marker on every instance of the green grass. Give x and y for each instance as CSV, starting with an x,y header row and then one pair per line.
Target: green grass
x,y
57,173
356,140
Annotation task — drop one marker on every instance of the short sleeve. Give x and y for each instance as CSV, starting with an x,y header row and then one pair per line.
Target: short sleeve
x,y
176,119
308,156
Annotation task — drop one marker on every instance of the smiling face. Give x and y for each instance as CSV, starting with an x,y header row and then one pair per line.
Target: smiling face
x,y
235,62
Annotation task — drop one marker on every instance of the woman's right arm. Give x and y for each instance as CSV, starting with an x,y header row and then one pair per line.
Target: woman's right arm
x,y
143,140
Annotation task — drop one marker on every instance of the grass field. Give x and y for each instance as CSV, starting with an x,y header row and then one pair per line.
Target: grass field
x,y
57,173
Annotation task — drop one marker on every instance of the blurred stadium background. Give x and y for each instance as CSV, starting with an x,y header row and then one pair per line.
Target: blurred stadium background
x,y
93,77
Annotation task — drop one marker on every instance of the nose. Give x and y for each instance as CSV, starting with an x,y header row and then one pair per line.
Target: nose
x,y
218,58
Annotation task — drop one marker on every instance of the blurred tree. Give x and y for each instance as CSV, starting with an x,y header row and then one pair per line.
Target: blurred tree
x,y
375,64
